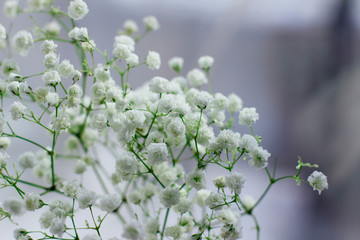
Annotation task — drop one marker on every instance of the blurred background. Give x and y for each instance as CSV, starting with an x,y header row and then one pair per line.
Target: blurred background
x,y
296,61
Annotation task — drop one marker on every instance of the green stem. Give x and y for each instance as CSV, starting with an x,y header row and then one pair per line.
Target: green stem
x,y
164,225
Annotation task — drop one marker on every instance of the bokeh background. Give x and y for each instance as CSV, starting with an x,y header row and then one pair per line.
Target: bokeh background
x,y
296,61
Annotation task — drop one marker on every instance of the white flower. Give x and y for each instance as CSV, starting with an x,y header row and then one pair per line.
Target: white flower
x,y
158,85
157,153
151,23
9,66
48,46
219,182
61,122
318,181
235,181
259,157
152,226
110,203
196,179
227,139
175,128
38,5
132,60
184,205
51,78
126,165
51,60
4,144
15,206
169,196
134,197
52,98
27,160
132,231
57,226
124,40
99,122
215,201
20,234
70,189
202,99
76,76
11,8
176,63
77,9
52,28
66,69
206,62
248,143
227,216
201,196
89,46
235,103
98,91
175,232
22,42
220,102
80,34
3,159
17,110
248,116
121,51
75,91
248,202
14,88
113,94
80,166
196,78
153,60
32,201
231,231
86,198
135,118
130,26
2,32
102,73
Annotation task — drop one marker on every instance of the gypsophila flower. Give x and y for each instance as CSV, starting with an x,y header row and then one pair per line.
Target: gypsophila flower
x,y
235,103
3,159
220,182
22,42
89,46
184,205
51,78
27,160
259,157
2,32
202,99
70,189
151,23
80,34
248,143
86,198
196,179
110,203
52,28
206,62
11,8
77,9
3,86
14,88
248,116
52,98
132,231
176,64
17,110
51,60
153,60
318,181
121,51
76,75
124,40
235,181
48,46
126,165
80,166
66,69
4,143
15,77
215,201
32,201
196,78
152,226
169,196
158,85
157,153
132,60
130,27
75,91
9,66
15,206
248,202
57,226
174,231
20,233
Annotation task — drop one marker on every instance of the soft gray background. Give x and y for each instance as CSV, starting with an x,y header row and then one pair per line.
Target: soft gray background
x,y
296,61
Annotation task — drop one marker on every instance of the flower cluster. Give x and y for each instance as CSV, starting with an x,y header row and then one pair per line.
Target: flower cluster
x,y
150,132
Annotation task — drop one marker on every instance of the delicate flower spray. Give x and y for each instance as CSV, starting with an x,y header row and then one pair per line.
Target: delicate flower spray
x,y
150,132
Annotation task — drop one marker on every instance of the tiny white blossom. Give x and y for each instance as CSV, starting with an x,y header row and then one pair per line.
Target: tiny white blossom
x,y
132,60
57,226
196,179
80,34
86,198
130,27
169,196
215,201
9,66
17,110
14,88
102,72
2,32
89,46
235,181
126,165
15,206
5,143
66,69
22,42
202,99
51,78
124,40
32,201
27,160
196,78
158,85
71,189
3,159
184,205
176,64
77,9
206,62
151,23
132,231
235,103
175,232
76,75
248,143
75,91
157,153
91,237
48,46
11,8
153,60
248,116
259,157
52,28
51,60
201,196
318,181
99,122
226,216
152,226
110,203
220,182
52,98
121,51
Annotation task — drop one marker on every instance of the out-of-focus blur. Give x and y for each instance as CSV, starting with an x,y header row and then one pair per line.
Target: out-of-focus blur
x,y
296,61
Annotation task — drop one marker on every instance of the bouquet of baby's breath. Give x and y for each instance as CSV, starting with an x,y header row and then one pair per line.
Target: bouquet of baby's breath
x,y
147,133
